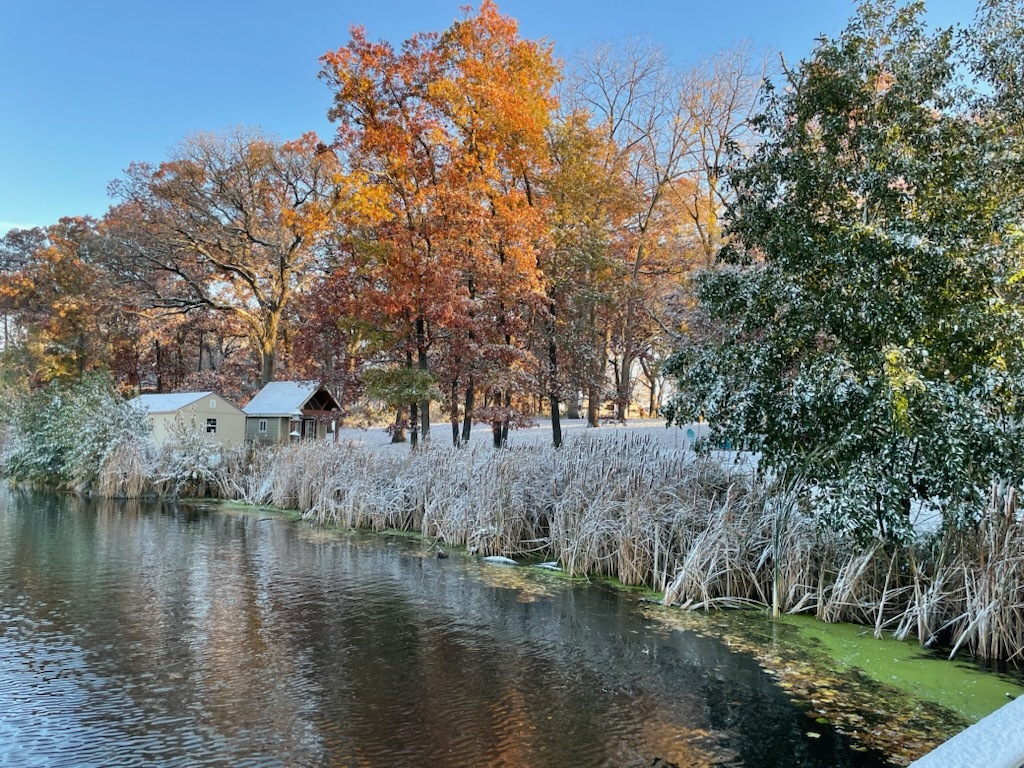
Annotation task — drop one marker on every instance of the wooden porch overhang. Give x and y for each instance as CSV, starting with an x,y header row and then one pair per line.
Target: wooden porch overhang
x,y
310,413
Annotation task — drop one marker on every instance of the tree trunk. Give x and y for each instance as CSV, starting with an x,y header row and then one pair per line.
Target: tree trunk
x,y
572,406
455,416
266,363
599,367
398,433
80,354
496,432
159,367
421,357
467,411
624,390
505,418
507,397
414,433
467,415
593,406
556,423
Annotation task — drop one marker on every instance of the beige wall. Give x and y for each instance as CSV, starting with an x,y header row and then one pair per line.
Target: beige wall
x,y
230,421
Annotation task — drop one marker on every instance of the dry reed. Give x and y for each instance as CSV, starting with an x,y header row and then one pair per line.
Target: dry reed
x,y
126,470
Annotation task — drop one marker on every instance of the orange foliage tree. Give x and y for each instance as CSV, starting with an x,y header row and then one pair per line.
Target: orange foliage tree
x,y
62,306
450,129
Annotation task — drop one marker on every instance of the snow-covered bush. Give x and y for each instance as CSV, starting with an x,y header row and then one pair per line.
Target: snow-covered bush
x,y
187,465
62,433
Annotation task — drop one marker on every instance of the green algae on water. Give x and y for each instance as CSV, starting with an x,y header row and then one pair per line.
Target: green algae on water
x,y
957,685
836,675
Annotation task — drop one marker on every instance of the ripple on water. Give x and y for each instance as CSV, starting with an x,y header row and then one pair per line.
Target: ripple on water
x,y
153,638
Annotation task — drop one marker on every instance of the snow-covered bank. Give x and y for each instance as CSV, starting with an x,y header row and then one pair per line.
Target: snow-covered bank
x,y
539,435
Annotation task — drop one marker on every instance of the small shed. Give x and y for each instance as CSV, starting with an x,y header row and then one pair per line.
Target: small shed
x,y
208,413
291,410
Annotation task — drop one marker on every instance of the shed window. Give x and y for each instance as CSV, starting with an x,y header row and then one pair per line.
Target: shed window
x,y
263,425
211,426
213,402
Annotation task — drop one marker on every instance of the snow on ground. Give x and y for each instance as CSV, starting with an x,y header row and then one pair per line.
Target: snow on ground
x,y
540,434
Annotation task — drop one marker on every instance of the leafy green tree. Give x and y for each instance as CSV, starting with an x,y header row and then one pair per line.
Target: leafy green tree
x,y
996,53
869,299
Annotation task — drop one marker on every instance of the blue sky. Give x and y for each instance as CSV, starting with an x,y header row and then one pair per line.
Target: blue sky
x,y
88,87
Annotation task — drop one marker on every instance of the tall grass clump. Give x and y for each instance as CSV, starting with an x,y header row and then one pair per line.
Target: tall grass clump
x,y
966,586
127,469
623,508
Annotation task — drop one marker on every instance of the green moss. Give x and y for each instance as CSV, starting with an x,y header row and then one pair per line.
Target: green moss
x,y
237,507
641,591
403,533
957,685
894,715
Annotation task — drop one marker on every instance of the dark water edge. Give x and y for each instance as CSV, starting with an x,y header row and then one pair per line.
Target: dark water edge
x,y
165,634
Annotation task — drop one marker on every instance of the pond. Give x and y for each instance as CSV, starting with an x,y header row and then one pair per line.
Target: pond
x,y
137,634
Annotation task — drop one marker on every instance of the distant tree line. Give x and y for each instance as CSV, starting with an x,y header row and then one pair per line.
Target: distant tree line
x,y
489,233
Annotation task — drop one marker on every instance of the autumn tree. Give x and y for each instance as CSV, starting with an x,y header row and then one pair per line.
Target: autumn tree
x,y
449,129
199,350
234,224
588,200
335,339
498,98
65,305
670,128
17,249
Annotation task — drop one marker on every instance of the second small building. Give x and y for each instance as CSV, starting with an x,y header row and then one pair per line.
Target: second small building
x,y
291,410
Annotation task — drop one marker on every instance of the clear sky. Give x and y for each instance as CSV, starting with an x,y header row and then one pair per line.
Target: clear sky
x,y
88,86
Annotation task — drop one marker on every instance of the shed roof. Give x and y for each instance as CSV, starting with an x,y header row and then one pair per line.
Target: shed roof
x,y
175,401
281,398
166,403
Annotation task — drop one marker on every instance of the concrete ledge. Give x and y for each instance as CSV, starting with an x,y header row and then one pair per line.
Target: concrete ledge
x,y
996,741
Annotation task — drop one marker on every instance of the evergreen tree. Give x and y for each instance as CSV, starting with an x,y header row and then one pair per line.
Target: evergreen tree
x,y
869,295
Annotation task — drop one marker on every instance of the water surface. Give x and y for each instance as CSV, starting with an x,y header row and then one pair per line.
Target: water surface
x,y
152,634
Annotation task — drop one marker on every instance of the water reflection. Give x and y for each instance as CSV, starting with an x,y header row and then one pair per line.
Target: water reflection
x,y
141,634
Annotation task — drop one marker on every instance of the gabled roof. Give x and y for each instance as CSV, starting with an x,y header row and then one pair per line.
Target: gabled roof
x,y
281,398
170,402
175,401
